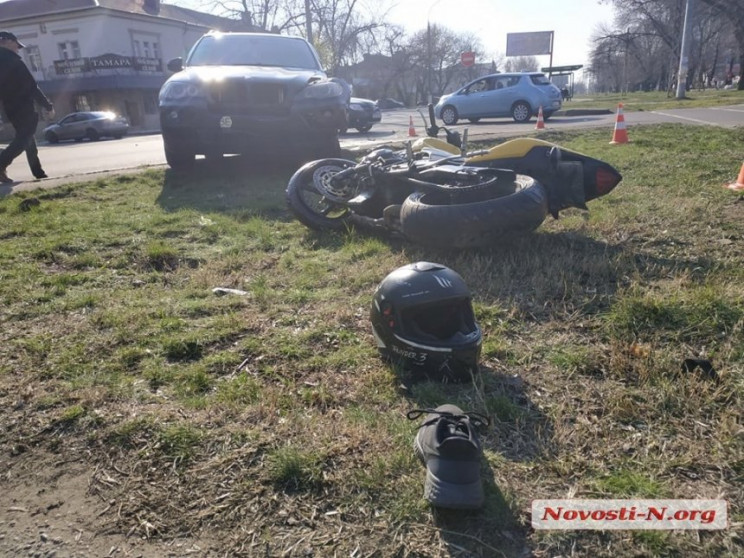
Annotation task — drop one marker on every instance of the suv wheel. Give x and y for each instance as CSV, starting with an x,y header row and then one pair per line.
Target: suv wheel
x,y
179,159
326,145
449,115
521,112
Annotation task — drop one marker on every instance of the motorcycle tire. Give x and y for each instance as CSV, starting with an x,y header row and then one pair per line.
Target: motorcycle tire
x,y
430,220
308,204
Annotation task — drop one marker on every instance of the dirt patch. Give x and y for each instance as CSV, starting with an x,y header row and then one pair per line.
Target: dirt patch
x,y
49,511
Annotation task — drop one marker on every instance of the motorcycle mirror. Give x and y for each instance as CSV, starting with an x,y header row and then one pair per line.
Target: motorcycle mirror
x,y
409,153
464,144
432,119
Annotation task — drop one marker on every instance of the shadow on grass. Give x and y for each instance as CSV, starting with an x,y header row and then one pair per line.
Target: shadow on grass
x,y
230,184
246,183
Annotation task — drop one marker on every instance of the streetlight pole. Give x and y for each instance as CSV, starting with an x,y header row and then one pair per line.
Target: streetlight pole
x,y
429,68
684,51
308,22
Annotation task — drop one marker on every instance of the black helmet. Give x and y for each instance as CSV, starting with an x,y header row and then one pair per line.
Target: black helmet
x,y
422,318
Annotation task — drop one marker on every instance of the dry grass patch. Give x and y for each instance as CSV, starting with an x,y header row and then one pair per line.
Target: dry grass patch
x,y
266,425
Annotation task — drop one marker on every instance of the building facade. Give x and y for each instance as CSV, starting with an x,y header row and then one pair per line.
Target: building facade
x,y
106,54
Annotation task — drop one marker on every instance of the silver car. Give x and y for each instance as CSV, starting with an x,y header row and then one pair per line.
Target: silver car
x,y
519,95
92,125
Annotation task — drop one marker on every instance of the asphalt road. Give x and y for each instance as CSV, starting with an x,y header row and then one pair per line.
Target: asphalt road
x,y
72,162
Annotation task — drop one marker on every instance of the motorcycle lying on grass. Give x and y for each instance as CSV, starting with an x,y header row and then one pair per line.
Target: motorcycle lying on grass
x,y
436,193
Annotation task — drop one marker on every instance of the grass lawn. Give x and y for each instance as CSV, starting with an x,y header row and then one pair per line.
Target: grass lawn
x,y
657,100
265,424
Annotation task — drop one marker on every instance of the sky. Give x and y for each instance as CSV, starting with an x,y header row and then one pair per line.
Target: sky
x,y
573,22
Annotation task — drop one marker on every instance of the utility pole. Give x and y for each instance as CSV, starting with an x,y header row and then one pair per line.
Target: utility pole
x,y
308,22
684,51
429,69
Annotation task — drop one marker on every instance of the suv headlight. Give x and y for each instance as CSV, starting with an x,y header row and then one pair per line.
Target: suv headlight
x,y
180,91
322,90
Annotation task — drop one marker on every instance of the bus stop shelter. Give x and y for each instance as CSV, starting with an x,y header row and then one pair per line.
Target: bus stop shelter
x,y
563,71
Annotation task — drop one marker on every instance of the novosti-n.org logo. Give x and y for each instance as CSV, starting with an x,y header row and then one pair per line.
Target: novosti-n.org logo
x,y
629,514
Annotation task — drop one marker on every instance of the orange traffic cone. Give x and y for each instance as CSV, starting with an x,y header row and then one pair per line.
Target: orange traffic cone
x,y
739,184
540,122
620,135
411,129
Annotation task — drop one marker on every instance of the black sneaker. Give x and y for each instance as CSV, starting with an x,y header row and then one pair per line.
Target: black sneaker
x,y
448,445
4,178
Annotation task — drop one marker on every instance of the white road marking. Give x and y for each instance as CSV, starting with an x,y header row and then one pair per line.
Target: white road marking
x,y
683,118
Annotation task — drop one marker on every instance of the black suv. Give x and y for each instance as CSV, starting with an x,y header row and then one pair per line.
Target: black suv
x,y
243,92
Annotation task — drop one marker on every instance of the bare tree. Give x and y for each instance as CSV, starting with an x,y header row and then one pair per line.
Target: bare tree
x,y
521,64
646,41
270,15
343,28
732,11
435,54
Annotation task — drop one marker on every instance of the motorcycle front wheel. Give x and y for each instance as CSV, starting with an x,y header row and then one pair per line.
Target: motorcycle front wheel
x,y
432,220
307,195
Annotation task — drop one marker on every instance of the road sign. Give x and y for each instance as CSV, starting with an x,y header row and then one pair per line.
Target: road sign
x,y
467,59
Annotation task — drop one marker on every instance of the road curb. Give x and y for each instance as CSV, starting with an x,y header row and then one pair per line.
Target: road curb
x,y
582,112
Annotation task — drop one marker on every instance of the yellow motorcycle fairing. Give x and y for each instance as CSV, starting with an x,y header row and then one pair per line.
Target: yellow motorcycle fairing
x,y
434,143
512,150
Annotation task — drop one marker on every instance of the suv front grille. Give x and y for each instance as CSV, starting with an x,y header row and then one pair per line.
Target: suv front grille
x,y
241,96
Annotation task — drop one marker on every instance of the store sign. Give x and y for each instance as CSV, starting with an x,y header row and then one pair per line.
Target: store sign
x,y
74,66
147,64
107,62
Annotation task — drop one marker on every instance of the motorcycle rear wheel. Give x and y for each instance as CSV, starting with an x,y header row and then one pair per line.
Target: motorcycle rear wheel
x,y
431,220
311,207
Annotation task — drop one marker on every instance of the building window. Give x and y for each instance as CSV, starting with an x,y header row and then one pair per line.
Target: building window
x,y
69,50
145,45
33,57
81,103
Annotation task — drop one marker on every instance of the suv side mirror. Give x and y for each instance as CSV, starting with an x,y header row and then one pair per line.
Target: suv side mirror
x,y
175,65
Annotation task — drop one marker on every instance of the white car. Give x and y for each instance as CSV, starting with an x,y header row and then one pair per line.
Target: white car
x,y
519,95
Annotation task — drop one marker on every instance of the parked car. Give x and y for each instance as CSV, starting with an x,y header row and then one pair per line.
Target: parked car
x,y
388,103
242,92
362,114
93,125
519,95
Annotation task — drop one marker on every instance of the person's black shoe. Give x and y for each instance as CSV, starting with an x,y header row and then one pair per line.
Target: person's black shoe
x,y
449,447
40,175
4,178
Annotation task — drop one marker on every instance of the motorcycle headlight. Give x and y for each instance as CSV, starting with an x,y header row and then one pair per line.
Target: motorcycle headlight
x,y
322,90
180,91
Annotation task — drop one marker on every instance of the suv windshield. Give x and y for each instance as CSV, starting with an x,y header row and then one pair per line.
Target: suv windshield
x,y
540,79
252,50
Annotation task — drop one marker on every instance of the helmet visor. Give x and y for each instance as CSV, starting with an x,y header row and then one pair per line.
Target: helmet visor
x,y
437,323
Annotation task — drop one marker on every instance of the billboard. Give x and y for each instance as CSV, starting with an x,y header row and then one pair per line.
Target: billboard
x,y
529,44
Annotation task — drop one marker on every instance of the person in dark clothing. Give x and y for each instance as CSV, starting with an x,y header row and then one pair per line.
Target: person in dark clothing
x,y
18,93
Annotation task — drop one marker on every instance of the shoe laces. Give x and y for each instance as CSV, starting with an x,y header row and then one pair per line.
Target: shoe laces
x,y
476,419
